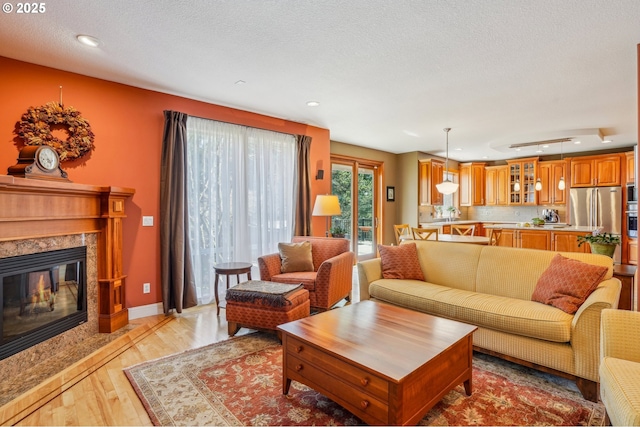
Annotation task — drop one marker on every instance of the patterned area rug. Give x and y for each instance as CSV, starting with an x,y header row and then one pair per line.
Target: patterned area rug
x,y
239,382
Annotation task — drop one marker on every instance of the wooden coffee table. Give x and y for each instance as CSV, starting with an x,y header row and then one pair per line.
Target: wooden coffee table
x,y
386,364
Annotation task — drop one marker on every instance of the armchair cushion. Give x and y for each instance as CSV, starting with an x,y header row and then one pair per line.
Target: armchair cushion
x,y
295,257
567,283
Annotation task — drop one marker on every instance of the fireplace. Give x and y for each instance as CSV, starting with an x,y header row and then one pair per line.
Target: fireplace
x,y
42,295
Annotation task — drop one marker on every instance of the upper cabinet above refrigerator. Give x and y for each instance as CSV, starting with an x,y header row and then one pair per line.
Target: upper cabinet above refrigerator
x,y
596,171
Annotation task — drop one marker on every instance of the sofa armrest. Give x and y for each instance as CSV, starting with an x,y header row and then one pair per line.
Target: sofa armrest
x,y
368,271
269,266
620,335
334,279
585,328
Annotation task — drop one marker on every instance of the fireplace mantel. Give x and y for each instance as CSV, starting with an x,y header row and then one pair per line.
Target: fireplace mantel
x,y
31,209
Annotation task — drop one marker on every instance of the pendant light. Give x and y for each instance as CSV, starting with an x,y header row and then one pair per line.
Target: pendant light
x,y
561,182
516,185
447,186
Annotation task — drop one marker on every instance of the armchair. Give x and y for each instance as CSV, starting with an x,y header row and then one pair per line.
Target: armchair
x,y
331,279
620,366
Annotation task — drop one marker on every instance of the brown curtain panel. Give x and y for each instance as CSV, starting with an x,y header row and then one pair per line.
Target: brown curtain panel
x,y
302,225
177,279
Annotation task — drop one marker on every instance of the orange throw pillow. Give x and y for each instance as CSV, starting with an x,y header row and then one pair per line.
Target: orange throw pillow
x,y
567,283
400,262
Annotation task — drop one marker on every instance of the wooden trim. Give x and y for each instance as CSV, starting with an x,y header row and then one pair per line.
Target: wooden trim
x,y
33,209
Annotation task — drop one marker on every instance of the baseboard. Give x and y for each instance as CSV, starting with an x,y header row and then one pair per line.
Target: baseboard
x,y
145,310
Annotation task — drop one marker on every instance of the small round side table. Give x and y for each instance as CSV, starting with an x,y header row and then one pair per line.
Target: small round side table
x,y
228,269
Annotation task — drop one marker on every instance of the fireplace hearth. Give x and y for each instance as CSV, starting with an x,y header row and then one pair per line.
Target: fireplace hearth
x,y
42,295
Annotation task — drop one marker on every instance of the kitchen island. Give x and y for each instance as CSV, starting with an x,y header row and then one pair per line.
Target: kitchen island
x,y
549,237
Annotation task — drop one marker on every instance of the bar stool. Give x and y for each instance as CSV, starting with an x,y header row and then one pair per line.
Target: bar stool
x,y
228,269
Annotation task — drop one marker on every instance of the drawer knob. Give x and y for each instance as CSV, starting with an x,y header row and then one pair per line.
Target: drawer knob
x,y
364,404
299,348
364,381
299,367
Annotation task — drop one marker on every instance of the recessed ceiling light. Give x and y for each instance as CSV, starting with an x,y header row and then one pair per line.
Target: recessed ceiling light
x,y
458,149
539,151
606,141
88,40
545,146
485,157
577,142
312,103
517,149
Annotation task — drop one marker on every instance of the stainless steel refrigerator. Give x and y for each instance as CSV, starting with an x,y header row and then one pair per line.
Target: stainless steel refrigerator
x,y
598,207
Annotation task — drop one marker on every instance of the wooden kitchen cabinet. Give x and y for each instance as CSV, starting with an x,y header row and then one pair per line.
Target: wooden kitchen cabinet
x,y
496,185
507,238
524,173
472,184
430,173
550,174
631,168
533,239
568,242
632,251
596,171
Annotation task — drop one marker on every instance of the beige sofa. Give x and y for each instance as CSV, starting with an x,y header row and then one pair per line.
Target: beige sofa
x,y
491,287
620,366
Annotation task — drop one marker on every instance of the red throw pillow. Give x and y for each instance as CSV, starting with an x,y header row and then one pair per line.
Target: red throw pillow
x,y
400,262
567,283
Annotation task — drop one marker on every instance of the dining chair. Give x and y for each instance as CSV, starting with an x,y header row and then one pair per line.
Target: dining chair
x,y
463,230
402,230
494,236
424,233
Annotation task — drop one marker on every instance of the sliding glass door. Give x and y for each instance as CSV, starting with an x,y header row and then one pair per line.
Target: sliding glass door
x,y
356,183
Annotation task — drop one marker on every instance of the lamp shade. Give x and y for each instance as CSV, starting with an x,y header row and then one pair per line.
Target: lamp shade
x,y
447,187
561,184
326,205
538,186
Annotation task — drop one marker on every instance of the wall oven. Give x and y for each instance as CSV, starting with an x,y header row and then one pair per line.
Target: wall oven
x,y
632,220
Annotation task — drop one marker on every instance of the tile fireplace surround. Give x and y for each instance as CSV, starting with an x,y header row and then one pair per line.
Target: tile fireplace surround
x,y
38,216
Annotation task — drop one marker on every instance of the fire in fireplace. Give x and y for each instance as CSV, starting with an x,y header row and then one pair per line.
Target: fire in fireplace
x,y
43,295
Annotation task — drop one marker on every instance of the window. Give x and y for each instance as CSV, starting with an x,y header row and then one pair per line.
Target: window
x,y
240,194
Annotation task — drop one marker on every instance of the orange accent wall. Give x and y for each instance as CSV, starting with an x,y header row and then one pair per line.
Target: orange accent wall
x,y
128,124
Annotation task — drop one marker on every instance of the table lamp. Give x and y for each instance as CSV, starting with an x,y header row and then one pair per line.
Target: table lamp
x,y
326,205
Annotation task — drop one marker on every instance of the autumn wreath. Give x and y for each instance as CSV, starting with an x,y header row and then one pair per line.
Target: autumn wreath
x,y
35,129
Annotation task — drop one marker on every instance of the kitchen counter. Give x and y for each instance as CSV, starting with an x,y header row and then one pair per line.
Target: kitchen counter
x,y
511,225
549,227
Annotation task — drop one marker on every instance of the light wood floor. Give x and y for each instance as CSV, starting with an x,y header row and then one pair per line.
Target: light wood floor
x,y
105,397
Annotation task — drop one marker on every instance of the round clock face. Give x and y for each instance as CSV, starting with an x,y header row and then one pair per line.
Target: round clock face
x,y
47,158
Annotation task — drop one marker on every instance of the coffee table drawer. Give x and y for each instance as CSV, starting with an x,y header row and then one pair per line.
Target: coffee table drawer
x,y
361,404
356,377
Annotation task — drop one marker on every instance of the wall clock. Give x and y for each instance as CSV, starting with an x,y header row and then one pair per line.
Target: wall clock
x,y
38,162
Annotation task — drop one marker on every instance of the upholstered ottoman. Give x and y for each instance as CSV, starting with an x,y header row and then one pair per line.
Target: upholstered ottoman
x,y
258,304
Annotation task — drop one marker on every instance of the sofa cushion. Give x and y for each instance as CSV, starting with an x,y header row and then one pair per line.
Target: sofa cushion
x,y
400,262
567,283
501,268
295,257
449,264
505,314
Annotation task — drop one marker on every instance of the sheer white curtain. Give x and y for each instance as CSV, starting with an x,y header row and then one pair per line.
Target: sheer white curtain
x,y
240,195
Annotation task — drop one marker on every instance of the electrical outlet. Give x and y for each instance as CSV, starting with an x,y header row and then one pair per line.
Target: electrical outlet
x,y
146,288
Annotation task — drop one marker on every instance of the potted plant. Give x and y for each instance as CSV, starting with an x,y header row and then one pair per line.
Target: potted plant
x,y
338,231
601,243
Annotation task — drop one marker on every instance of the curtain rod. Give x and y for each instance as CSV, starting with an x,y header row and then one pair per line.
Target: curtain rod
x,y
238,124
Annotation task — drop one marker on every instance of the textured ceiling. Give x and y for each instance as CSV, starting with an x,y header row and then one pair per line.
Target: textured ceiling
x,y
388,75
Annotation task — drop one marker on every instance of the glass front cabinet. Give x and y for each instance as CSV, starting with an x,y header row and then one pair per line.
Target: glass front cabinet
x,y
522,181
